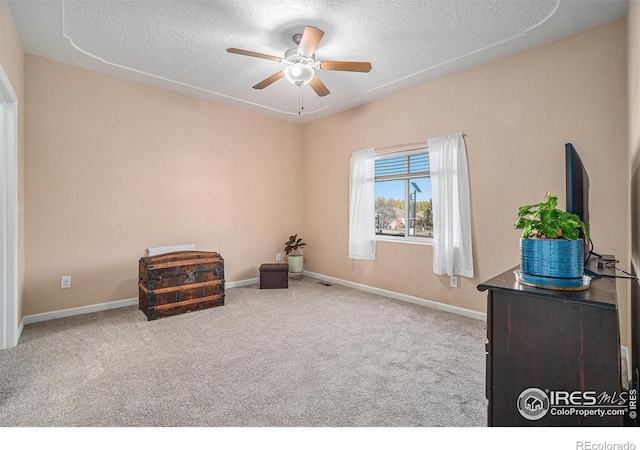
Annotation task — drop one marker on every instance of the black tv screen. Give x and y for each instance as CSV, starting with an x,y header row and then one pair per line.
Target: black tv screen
x,y
577,187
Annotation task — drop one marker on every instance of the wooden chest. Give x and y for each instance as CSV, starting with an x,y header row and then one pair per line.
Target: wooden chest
x,y
180,282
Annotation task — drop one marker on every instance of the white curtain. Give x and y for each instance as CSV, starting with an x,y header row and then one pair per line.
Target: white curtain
x,y
452,253
362,239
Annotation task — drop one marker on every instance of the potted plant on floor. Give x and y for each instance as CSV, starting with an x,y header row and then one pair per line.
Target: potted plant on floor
x,y
551,250
296,260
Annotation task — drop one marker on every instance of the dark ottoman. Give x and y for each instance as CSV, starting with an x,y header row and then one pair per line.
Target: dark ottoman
x,y
274,276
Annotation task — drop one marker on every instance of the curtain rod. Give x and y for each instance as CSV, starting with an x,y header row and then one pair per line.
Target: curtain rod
x,y
402,147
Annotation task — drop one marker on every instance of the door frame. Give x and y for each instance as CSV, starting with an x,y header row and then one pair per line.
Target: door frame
x,y
9,328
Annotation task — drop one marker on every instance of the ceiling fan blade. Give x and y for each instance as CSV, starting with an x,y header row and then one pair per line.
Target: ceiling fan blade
x,y
310,40
238,51
318,86
267,81
347,66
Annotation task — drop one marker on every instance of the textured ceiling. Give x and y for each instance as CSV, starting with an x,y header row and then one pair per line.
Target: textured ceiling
x,y
181,45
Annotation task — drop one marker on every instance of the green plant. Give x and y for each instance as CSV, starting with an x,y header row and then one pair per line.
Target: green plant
x,y
293,244
545,221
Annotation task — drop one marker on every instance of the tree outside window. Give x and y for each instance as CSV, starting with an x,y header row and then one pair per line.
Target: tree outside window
x,y
403,206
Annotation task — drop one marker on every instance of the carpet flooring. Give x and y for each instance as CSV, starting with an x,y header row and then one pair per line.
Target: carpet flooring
x,y
313,355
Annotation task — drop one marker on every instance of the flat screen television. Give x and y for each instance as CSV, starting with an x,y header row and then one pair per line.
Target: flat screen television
x,y
577,189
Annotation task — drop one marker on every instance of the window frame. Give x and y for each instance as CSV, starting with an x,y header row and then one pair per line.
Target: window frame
x,y
406,178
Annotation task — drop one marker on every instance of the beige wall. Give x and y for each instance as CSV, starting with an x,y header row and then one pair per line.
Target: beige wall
x,y
12,61
517,114
114,167
634,164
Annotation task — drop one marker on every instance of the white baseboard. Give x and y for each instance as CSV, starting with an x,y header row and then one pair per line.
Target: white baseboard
x,y
34,318
233,284
404,297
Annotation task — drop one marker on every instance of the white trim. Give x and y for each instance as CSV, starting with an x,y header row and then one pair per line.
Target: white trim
x,y
41,317
7,94
34,318
404,297
20,329
417,150
405,239
234,284
627,357
9,328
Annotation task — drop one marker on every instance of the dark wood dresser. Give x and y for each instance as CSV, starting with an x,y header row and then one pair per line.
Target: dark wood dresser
x,y
558,346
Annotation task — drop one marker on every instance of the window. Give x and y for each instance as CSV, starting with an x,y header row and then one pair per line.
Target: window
x,y
403,208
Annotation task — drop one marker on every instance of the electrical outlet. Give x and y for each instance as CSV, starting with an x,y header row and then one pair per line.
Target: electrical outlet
x,y
65,282
278,257
453,282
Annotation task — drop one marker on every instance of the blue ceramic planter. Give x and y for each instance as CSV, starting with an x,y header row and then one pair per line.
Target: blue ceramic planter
x,y
552,262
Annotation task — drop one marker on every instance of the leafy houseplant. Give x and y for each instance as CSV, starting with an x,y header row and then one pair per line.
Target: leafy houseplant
x,y
293,244
296,261
551,250
545,221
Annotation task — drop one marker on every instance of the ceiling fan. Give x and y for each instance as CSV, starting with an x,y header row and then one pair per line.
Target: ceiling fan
x,y
301,62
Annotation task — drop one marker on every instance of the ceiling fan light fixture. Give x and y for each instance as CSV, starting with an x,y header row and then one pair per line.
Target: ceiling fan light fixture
x,y
301,63
299,74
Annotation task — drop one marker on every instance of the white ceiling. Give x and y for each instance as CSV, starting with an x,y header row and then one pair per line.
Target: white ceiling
x,y
181,45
